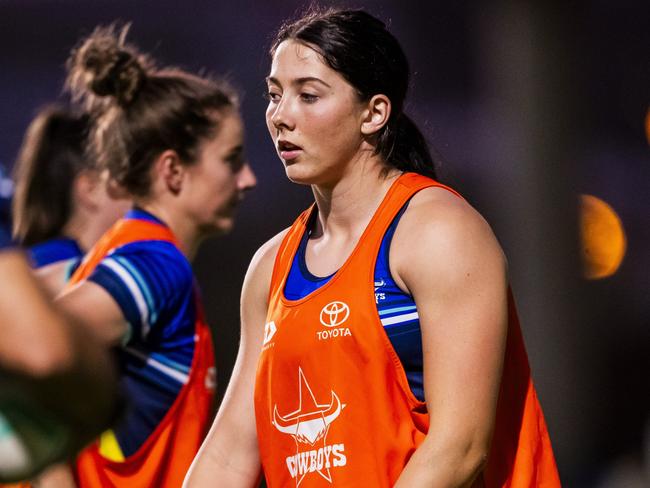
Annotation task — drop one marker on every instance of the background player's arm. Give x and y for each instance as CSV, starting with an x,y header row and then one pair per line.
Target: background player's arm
x,y
50,364
94,307
97,310
448,258
26,343
54,277
229,456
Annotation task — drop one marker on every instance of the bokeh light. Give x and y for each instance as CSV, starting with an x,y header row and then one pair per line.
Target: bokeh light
x,y
603,238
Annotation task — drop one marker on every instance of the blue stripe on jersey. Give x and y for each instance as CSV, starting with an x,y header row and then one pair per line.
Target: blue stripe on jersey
x,y
54,250
153,284
397,309
139,367
142,285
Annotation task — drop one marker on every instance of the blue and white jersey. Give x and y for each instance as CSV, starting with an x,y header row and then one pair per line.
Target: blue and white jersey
x,y
397,310
153,284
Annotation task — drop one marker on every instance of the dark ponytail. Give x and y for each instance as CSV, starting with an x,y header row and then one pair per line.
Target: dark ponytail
x,y
52,155
360,48
402,145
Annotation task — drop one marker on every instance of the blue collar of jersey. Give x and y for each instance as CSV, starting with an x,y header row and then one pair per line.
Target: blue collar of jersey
x,y
141,214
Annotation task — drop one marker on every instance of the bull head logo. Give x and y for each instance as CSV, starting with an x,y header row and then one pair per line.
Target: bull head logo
x,y
311,421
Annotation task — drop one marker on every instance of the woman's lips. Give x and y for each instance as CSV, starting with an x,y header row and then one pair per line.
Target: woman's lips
x,y
287,150
290,154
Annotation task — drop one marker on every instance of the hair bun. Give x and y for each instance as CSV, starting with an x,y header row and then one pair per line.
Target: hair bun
x,y
106,66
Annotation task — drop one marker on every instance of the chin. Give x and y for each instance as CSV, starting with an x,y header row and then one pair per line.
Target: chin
x,y
300,175
224,225
217,228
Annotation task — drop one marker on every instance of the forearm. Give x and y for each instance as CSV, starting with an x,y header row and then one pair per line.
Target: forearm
x,y
44,353
443,465
229,456
67,408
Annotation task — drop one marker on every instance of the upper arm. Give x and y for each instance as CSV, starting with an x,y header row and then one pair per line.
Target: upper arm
x,y
91,305
230,451
41,351
456,272
55,277
148,281
27,345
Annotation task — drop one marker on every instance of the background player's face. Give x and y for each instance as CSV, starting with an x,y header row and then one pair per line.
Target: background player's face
x,y
314,116
216,183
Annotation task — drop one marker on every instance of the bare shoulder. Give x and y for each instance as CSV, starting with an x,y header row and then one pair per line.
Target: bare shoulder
x,y
255,292
442,233
263,260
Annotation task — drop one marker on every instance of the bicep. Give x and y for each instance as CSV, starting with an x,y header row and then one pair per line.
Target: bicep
x,y
27,344
457,276
230,450
463,336
237,413
148,282
91,305
54,277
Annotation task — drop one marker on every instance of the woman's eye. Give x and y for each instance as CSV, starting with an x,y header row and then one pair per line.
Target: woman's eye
x,y
236,161
308,97
272,96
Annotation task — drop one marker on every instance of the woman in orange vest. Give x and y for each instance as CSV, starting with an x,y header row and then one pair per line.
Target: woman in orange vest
x,y
174,142
380,343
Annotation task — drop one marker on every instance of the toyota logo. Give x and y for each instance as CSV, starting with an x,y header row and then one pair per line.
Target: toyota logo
x,y
334,313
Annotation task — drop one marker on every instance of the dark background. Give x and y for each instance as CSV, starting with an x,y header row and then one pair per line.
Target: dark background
x,y
529,104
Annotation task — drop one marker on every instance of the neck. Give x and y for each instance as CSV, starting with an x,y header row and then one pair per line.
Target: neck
x,y
83,229
346,206
186,233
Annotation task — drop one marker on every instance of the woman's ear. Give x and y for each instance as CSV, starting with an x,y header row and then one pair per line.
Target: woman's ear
x,y
83,189
113,188
170,170
376,114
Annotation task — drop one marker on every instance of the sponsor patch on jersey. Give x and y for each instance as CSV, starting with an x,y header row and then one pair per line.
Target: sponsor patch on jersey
x,y
333,316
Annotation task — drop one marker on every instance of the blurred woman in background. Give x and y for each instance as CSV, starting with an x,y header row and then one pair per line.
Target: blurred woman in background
x,y
174,142
62,202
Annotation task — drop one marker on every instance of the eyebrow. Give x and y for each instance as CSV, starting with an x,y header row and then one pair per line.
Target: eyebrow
x,y
298,81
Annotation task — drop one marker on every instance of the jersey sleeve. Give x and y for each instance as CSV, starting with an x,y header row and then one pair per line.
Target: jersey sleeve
x,y
148,280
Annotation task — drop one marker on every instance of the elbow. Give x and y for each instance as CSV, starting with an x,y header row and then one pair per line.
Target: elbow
x,y
456,464
473,464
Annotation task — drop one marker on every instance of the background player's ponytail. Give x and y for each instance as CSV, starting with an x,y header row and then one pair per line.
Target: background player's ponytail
x,y
140,110
361,49
50,159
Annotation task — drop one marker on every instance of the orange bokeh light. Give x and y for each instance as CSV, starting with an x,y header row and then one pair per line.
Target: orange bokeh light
x,y
603,238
